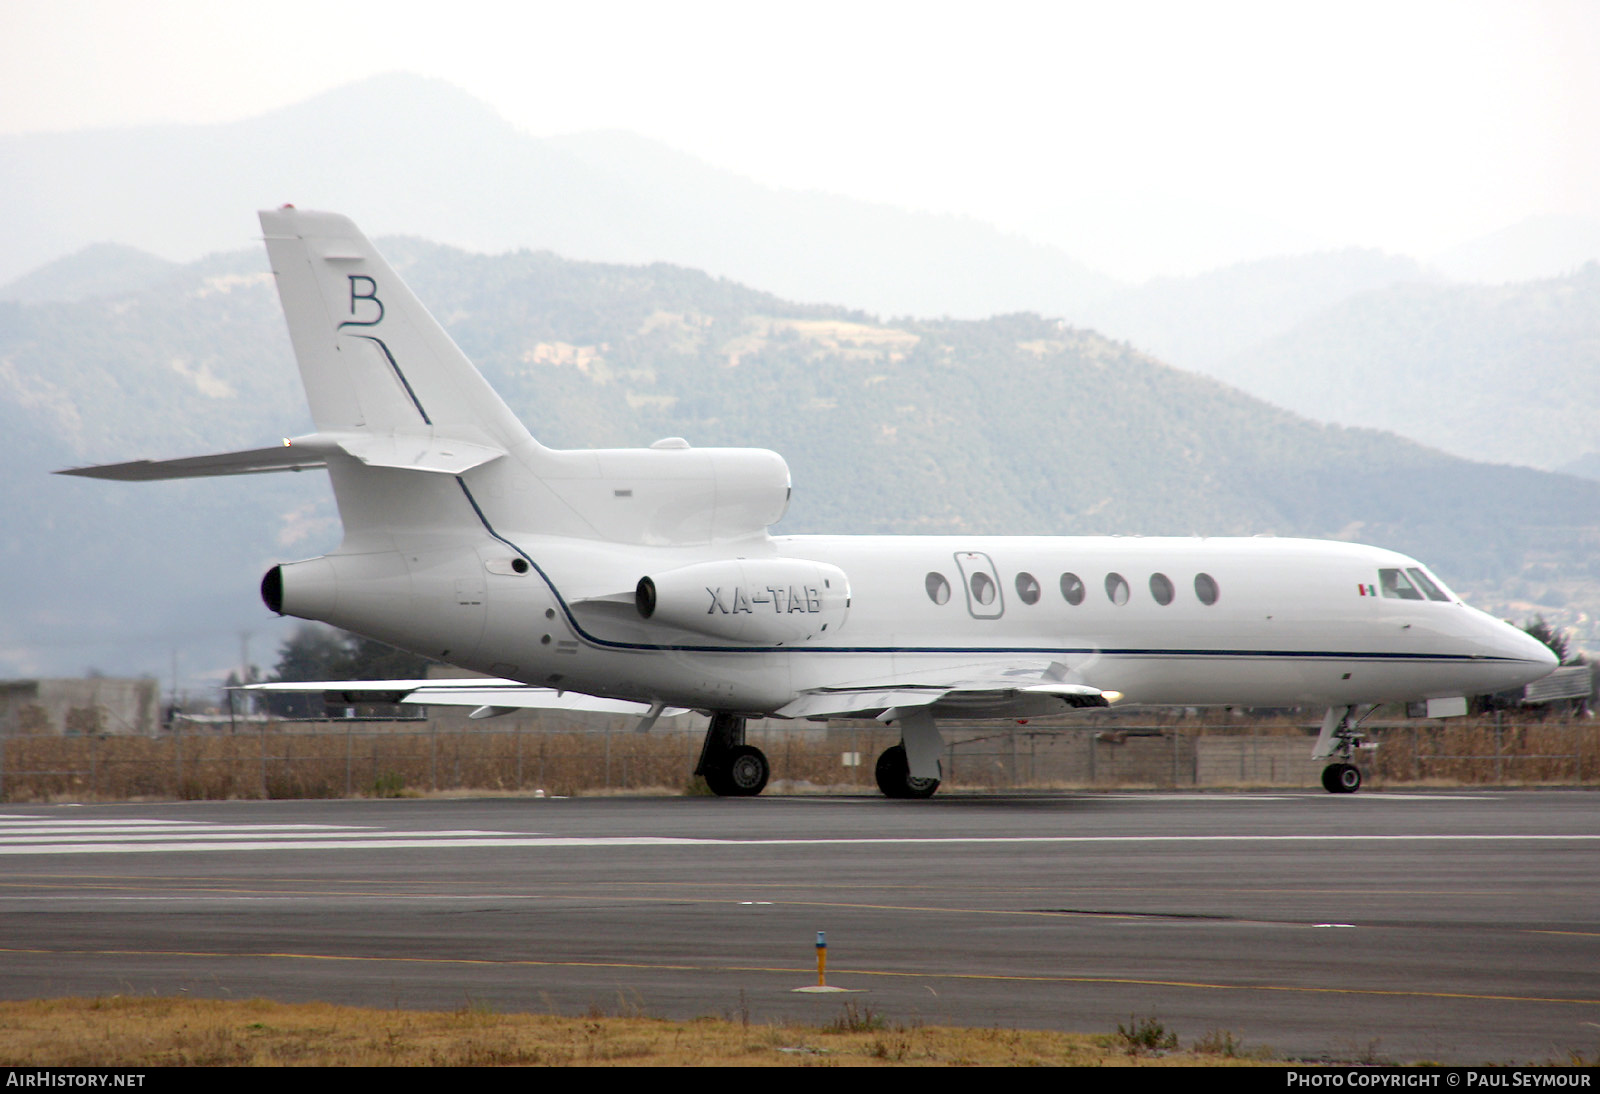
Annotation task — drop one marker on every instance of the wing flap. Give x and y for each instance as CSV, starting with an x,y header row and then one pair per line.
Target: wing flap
x,y
865,702
983,691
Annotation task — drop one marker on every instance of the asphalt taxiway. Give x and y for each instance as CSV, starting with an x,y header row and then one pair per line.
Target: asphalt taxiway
x,y
1458,927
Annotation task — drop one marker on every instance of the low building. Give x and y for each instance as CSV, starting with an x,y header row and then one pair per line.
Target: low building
x,y
97,704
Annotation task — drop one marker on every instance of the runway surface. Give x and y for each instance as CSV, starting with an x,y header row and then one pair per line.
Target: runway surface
x,y
1462,928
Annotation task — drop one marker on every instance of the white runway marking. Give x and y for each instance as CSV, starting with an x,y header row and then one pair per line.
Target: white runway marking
x,y
31,837
1197,797
231,833
1424,797
55,827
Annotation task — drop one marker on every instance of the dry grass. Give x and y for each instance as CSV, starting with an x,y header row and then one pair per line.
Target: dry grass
x,y
409,759
138,1032
1477,752
371,762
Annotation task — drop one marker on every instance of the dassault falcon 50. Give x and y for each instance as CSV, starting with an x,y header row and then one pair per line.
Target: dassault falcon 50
x,y
647,579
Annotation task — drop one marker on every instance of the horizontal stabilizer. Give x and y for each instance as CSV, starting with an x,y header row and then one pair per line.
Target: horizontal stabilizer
x,y
441,455
285,457
409,451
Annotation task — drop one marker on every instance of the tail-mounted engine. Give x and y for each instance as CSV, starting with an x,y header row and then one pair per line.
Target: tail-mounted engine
x,y
768,602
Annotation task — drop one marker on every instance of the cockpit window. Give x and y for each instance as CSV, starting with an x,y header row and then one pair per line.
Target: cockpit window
x,y
1396,586
1426,584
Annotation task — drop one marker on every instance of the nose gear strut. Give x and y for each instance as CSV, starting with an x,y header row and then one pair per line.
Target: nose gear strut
x,y
1341,736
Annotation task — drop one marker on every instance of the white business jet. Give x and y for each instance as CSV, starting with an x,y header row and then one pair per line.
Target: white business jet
x,y
646,579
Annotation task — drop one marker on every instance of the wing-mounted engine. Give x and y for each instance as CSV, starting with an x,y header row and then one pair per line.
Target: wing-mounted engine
x,y
767,602
669,494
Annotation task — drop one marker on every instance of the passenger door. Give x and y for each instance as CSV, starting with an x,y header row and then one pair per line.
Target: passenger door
x,y
985,598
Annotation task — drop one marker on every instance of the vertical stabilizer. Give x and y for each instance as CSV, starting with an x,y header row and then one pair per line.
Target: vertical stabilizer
x,y
371,357
420,448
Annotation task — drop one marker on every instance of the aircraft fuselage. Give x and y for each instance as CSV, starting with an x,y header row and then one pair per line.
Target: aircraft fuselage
x,y
1197,621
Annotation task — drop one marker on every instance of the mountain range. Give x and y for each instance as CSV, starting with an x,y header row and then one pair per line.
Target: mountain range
x,y
1308,331
133,323
420,156
1016,424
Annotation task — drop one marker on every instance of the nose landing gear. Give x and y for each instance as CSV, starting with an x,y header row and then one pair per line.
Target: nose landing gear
x,y
1339,740
1341,778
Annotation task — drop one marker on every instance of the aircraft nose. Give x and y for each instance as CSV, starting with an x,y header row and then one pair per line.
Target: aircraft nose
x,y
1546,656
1524,647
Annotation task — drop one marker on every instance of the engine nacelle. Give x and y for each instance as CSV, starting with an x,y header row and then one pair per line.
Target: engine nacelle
x,y
768,602
429,601
668,494
308,589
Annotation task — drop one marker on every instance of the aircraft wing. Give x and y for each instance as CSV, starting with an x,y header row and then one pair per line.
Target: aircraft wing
x,y
488,696
979,691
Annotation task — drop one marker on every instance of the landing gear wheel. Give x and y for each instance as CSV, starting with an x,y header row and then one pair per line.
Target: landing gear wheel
x,y
717,781
1341,778
893,773
740,772
731,768
746,771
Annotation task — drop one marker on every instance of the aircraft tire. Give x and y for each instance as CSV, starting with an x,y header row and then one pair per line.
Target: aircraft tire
x,y
893,772
745,772
717,781
1341,778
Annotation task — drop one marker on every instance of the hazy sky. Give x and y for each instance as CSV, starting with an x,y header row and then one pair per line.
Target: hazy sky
x,y
1223,130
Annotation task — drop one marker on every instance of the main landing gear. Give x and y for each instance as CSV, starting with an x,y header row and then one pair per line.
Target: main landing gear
x,y
1338,741
919,748
731,768
895,779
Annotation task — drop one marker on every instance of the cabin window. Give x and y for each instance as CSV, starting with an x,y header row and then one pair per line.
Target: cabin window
x,y
1161,588
1205,588
983,588
1117,589
1072,589
1027,588
1425,583
938,587
1396,586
